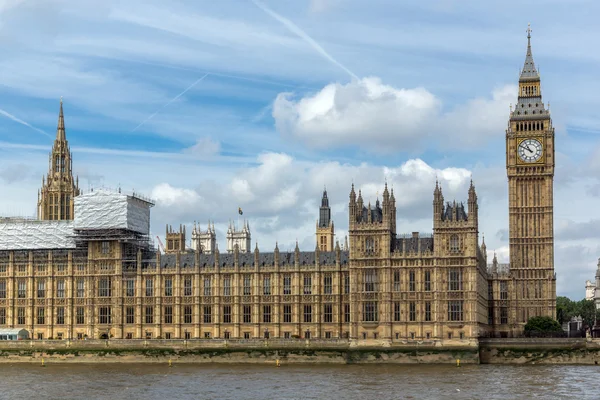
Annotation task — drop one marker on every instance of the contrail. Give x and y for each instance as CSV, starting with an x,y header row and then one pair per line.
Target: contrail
x,y
303,35
169,102
20,121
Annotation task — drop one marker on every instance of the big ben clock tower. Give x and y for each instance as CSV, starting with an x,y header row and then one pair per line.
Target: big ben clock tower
x,y
530,169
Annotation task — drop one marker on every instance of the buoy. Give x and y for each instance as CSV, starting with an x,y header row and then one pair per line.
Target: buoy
x,y
277,363
457,362
43,362
170,363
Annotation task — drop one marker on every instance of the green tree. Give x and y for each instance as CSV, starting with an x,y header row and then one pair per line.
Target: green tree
x,y
565,309
587,310
542,324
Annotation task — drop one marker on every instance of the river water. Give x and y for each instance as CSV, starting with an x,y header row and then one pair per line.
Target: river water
x,y
184,381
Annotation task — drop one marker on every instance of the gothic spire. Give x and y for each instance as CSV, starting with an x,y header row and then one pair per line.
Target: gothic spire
x,y
529,71
60,129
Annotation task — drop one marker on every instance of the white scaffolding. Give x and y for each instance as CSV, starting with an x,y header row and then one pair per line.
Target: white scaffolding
x,y
23,234
103,209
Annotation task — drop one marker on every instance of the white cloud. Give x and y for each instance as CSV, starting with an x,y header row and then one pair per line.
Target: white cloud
x,y
167,196
205,148
371,114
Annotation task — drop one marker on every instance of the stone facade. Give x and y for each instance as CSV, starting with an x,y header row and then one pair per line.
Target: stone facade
x,y
380,286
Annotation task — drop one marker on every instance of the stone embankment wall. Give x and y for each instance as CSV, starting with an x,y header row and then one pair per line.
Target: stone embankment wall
x,y
237,351
539,351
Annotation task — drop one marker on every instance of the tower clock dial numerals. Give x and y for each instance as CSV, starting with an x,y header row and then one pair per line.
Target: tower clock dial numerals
x,y
530,150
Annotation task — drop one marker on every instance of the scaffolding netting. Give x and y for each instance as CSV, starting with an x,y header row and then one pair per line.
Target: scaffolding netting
x,y
103,209
32,234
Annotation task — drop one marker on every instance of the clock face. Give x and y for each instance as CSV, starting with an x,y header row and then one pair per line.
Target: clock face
x,y
530,150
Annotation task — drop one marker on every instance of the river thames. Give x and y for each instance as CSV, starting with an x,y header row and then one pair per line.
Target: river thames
x,y
220,381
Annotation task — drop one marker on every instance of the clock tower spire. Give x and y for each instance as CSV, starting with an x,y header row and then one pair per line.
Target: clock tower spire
x,y
530,170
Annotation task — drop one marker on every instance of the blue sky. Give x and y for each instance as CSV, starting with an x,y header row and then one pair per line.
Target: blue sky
x,y
297,95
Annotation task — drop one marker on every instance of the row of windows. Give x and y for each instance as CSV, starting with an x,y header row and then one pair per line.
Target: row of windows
x,y
370,278
369,314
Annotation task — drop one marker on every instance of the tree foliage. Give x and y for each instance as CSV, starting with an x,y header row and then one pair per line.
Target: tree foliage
x,y
542,324
567,309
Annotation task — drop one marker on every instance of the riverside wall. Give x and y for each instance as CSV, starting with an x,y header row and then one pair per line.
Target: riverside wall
x,y
539,351
295,351
251,351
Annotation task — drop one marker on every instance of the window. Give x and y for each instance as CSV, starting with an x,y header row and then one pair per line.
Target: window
x,y
428,335
80,288
226,314
105,247
327,313
327,335
412,335
427,284
247,314
21,315
454,243
227,286
287,313
455,310
287,284
60,289
307,313
149,287
267,285
130,315
2,316
504,315
22,289
168,314
347,313
412,311
247,285
104,287
41,289
370,276
149,314
227,335
168,287
307,284
266,314
246,335
187,335
346,283
490,315
370,311
187,286
41,316
327,284
187,314
2,289
167,335
412,286
129,287
287,335
503,290
60,316
396,280
397,311
207,314
455,279
80,315
428,311
207,291
369,245
105,315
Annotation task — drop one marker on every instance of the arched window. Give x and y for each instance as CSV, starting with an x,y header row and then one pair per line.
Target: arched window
x,y
369,244
454,243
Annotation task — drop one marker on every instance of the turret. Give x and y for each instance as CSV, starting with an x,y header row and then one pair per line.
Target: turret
x,y
473,207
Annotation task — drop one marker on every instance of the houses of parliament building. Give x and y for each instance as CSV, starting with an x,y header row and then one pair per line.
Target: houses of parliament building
x,y
86,267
